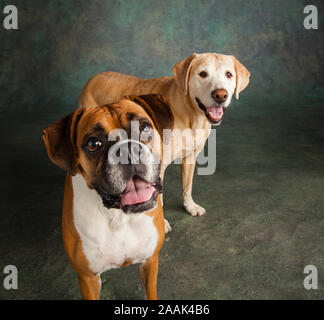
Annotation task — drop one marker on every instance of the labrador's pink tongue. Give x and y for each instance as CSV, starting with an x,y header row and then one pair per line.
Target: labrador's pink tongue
x,y
215,113
136,191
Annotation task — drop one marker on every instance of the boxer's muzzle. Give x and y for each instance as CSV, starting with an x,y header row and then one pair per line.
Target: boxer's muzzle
x,y
130,178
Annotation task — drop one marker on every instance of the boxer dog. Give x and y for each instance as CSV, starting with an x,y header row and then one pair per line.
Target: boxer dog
x,y
199,92
112,214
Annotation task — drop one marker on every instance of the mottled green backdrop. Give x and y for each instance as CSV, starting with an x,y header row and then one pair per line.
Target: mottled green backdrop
x,y
60,44
265,202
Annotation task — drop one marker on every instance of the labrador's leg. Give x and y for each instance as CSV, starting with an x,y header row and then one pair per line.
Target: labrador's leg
x,y
187,172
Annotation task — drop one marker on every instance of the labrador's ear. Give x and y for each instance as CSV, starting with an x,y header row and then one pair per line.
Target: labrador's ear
x,y
59,138
242,76
181,71
158,108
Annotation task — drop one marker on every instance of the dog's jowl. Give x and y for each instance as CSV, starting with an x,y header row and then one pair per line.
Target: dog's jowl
x,y
199,93
112,212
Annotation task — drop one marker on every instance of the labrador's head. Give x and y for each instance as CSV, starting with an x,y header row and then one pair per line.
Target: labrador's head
x,y
211,79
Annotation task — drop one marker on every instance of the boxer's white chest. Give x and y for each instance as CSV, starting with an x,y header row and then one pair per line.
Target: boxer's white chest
x,y
110,237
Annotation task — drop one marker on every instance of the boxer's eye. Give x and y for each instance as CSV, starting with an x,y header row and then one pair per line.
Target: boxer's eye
x,y
145,127
146,130
203,74
94,144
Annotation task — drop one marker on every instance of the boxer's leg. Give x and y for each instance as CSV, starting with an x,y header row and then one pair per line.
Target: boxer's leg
x,y
149,271
90,286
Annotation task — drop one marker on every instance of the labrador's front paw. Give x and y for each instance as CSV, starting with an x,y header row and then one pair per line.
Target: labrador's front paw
x,y
193,208
167,227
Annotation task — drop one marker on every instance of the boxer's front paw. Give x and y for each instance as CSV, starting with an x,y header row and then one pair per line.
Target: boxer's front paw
x,y
167,227
193,208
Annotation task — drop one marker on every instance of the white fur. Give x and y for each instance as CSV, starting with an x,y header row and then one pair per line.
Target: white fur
x,y
216,79
109,236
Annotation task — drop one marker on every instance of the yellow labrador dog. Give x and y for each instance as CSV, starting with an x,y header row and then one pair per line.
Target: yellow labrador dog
x,y
200,90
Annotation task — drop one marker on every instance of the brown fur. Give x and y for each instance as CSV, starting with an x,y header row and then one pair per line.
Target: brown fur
x,y
107,87
62,140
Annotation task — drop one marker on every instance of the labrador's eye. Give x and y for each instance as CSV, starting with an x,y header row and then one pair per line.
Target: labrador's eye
x,y
229,75
203,74
94,144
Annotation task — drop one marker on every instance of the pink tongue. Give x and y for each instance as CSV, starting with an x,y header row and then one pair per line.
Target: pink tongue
x,y
215,113
136,191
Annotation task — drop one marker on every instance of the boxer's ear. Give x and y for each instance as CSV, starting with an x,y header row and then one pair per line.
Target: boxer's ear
x,y
60,137
242,76
158,108
181,71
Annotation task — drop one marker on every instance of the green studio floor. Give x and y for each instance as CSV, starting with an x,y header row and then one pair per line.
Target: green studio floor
x,y
264,220
265,202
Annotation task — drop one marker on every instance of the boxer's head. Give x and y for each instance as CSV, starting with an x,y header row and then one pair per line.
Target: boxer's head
x,y
116,148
